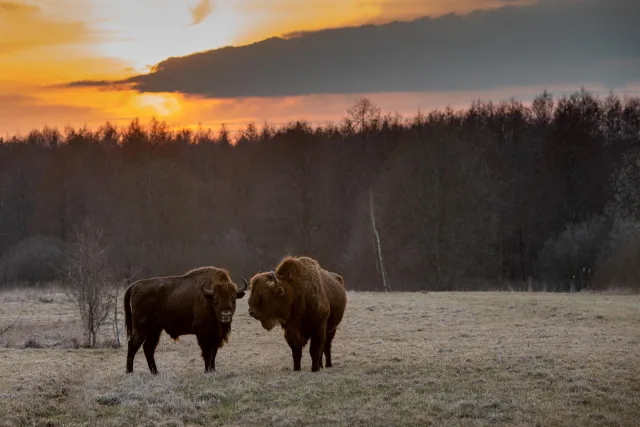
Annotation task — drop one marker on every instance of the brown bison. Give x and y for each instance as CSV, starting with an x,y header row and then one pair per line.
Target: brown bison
x,y
200,302
306,300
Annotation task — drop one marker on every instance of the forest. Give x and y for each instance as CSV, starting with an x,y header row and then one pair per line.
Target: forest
x,y
542,196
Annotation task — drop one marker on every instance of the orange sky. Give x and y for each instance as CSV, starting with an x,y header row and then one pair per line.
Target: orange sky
x,y
47,42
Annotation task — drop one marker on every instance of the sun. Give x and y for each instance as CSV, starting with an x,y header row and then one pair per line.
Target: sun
x,y
161,104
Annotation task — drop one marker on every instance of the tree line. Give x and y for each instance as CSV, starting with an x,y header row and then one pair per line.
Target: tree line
x,y
543,196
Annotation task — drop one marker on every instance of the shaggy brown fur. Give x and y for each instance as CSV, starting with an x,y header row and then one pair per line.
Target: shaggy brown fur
x,y
200,302
306,300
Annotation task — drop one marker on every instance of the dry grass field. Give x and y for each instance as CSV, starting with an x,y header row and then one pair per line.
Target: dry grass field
x,y
401,359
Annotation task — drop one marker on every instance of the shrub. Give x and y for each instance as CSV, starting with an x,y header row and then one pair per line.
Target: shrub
x,y
567,261
618,262
87,278
34,259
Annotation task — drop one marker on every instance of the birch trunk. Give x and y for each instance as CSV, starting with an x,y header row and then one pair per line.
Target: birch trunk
x,y
383,273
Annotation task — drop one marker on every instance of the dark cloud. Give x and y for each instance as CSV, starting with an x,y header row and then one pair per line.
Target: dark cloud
x,y
408,9
102,84
552,42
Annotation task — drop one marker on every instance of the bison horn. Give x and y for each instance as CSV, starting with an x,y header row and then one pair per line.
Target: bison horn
x,y
208,292
273,274
246,284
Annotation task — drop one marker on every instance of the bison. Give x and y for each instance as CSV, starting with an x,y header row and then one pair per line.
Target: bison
x,y
200,302
306,300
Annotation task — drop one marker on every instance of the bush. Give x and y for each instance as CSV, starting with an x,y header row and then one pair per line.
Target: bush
x,y
567,261
618,262
87,278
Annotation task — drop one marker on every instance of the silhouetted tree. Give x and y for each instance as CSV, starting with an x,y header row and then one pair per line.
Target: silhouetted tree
x,y
462,198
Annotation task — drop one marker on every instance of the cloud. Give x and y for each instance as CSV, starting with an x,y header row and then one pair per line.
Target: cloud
x,y
11,104
21,113
408,9
201,11
44,42
551,42
25,26
100,84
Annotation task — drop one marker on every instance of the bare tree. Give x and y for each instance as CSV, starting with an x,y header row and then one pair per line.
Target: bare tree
x,y
115,296
87,278
378,245
364,114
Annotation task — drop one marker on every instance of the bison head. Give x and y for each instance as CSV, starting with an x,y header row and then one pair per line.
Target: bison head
x,y
222,294
269,302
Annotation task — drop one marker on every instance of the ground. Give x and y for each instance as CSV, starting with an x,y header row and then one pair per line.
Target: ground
x,y
402,359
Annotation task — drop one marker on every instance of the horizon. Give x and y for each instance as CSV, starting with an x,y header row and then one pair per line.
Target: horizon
x,y
184,67
235,129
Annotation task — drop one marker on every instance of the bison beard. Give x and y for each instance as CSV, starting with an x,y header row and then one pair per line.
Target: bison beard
x,y
308,302
201,302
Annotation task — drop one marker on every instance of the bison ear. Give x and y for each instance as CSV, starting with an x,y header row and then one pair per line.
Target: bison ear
x,y
280,291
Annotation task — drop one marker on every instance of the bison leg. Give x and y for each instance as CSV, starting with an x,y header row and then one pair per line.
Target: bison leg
x,y
296,353
315,349
205,346
327,349
149,347
296,343
135,341
214,352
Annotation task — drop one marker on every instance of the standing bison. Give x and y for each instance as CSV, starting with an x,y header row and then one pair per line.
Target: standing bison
x,y
200,302
306,300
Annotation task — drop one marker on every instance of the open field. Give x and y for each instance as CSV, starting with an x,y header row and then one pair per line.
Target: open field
x,y
461,359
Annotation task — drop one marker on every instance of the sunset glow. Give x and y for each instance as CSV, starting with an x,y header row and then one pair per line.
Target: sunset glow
x,y
45,44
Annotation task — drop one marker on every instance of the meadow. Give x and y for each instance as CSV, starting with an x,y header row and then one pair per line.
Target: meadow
x,y
402,359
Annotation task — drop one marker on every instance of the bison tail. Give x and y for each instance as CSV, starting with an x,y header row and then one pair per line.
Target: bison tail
x,y
127,311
